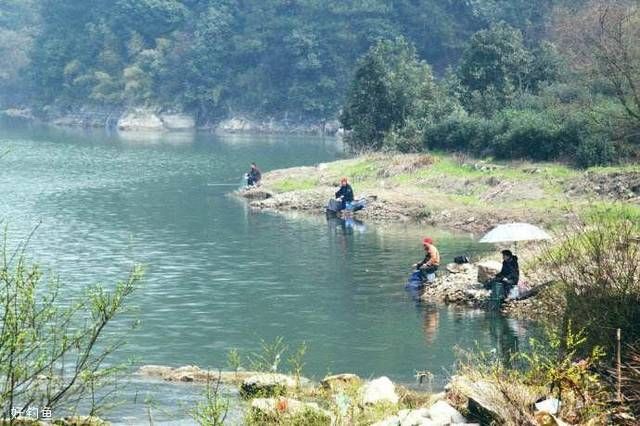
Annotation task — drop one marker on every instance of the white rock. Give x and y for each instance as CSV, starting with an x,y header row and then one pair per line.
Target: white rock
x,y
419,417
379,390
389,421
444,414
178,121
140,119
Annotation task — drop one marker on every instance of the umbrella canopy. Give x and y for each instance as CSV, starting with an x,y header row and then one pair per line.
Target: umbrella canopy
x,y
515,232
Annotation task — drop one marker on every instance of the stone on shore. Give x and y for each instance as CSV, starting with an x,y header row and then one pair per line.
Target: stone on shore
x,y
140,119
443,414
340,381
487,270
192,373
439,414
379,390
178,121
269,384
459,268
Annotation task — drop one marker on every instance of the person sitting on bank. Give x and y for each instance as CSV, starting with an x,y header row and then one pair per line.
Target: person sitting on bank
x,y
509,275
429,265
254,175
345,193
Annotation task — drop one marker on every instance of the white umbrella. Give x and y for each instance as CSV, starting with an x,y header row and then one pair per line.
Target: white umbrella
x,y
510,232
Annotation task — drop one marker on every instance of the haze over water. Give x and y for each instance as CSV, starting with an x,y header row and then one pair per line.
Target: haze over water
x,y
220,276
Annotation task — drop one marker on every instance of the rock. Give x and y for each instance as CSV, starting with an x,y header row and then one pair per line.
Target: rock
x,y
178,121
271,407
256,194
487,270
459,268
389,421
340,381
266,385
191,373
486,402
140,119
419,417
443,414
380,390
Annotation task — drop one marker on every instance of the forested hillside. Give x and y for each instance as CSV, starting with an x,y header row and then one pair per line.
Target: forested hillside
x,y
217,58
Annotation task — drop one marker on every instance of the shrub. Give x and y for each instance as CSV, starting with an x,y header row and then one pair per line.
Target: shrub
x,y
595,150
598,272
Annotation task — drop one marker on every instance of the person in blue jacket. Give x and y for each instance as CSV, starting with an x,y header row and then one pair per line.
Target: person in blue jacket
x,y
345,193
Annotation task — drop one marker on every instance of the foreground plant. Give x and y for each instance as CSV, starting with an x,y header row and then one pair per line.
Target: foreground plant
x,y
52,351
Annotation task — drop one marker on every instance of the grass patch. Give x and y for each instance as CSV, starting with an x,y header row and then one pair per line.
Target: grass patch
x,y
288,185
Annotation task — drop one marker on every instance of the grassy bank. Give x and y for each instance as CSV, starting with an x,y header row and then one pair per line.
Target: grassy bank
x,y
454,191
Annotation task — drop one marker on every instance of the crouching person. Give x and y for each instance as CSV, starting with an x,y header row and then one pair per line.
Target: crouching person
x,y
429,265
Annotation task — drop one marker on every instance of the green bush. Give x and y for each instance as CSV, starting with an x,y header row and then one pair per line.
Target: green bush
x,y
595,150
598,277
462,133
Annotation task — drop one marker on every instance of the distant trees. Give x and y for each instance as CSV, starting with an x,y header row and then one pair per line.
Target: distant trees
x,y
602,41
289,59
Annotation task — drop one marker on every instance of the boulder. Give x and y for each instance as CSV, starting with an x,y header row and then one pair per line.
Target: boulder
x,y
487,270
485,401
340,381
140,119
379,390
459,268
441,413
192,373
178,121
267,385
389,421
419,417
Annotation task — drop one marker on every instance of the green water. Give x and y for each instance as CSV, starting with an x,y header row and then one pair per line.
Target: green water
x,y
220,276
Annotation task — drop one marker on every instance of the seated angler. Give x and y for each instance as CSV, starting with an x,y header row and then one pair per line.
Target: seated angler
x,y
429,265
508,276
344,194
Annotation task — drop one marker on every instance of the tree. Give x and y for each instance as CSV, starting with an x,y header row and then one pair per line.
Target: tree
x,y
52,353
602,41
493,68
389,84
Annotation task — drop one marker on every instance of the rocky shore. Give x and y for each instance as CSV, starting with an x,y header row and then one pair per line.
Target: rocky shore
x,y
463,285
144,119
274,398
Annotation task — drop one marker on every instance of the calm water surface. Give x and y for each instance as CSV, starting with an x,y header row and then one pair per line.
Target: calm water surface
x,y
220,276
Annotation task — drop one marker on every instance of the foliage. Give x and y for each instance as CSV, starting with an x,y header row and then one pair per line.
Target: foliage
x,y
496,67
550,364
600,41
51,353
598,273
389,85
290,59
213,410
269,356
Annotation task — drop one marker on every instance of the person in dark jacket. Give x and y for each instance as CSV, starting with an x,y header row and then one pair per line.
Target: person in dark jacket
x,y
345,193
254,175
509,275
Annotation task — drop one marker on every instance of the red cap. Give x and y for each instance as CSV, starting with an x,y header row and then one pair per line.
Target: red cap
x,y
427,240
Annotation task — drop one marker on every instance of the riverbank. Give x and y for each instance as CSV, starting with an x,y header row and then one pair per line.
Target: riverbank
x,y
450,191
270,398
159,120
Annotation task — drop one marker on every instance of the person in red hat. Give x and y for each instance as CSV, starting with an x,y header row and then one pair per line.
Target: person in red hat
x,y
345,193
431,262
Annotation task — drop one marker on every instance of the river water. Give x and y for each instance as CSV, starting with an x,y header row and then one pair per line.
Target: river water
x,y
219,276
